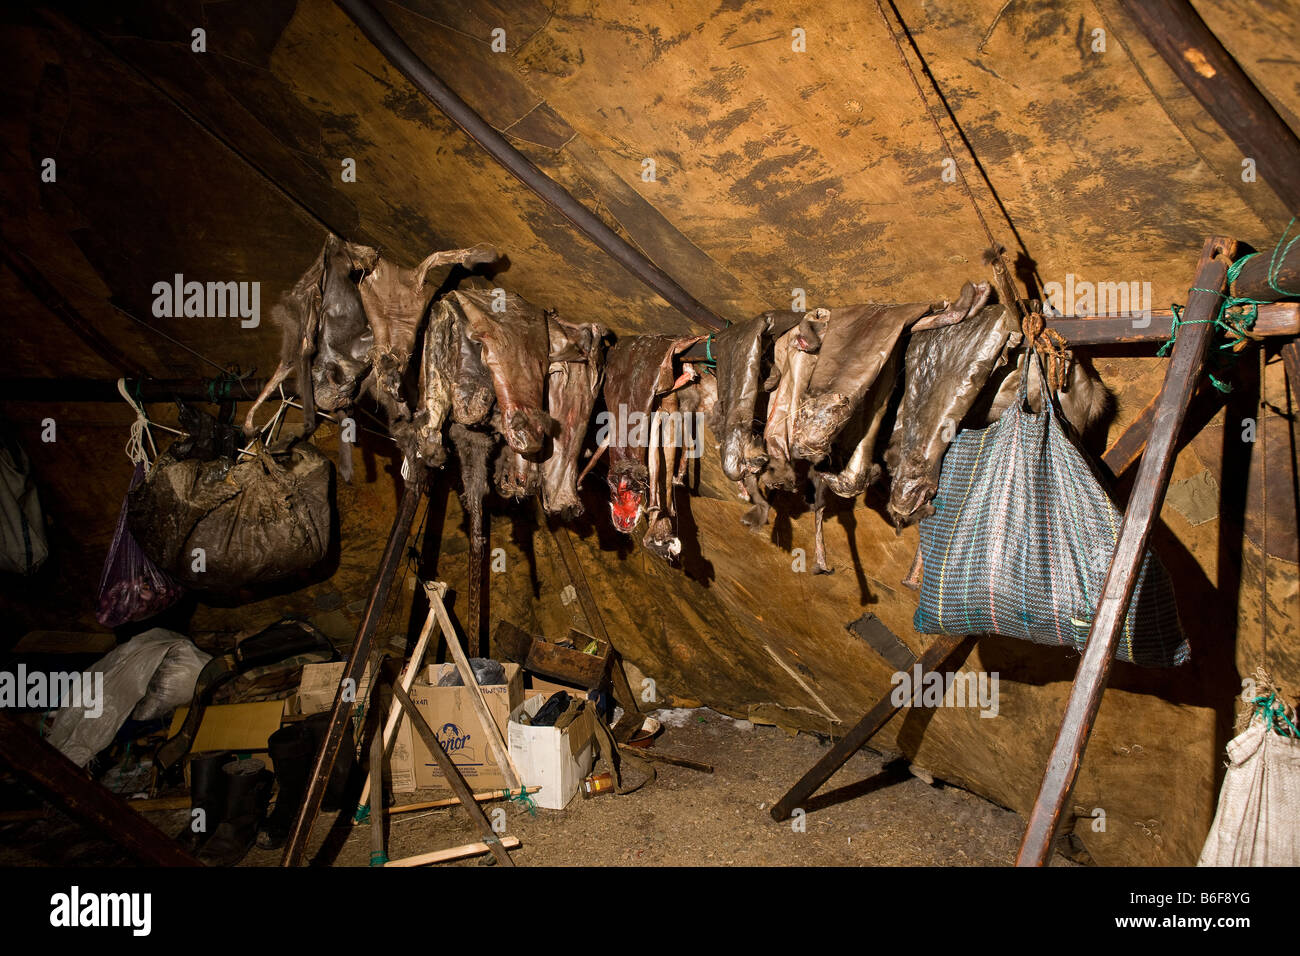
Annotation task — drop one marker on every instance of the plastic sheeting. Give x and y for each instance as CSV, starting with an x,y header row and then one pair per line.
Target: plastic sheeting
x,y
147,677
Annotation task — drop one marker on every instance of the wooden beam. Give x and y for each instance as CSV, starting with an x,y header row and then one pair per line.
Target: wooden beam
x,y
1279,319
105,390
454,853
631,720
67,785
341,712
1219,83
1252,281
387,41
1181,378
483,796
940,650
1127,449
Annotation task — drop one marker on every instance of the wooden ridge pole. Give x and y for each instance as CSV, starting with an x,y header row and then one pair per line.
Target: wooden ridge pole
x,y
341,712
1181,378
1219,83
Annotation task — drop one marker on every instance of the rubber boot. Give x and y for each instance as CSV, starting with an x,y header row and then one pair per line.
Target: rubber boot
x,y
248,790
343,788
292,751
207,794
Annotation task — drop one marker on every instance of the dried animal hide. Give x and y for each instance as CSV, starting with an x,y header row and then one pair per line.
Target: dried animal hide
x,y
473,446
860,470
517,476
740,350
793,358
325,338
440,362
961,378
945,371
395,299
344,339
572,384
298,315
638,369
674,424
1084,399
515,346
858,342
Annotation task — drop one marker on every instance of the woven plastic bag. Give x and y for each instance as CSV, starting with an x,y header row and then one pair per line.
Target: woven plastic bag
x,y
131,587
1021,540
1258,820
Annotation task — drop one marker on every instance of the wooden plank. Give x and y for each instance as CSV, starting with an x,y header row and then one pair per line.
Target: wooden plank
x,y
1127,448
1219,84
408,678
378,856
483,796
67,786
631,720
647,753
454,778
940,650
341,712
1181,378
453,853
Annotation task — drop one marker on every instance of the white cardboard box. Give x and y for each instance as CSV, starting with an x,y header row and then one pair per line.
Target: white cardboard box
x,y
555,760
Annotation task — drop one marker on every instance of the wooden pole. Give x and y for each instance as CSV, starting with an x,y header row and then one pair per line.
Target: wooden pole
x,y
480,528
1253,279
454,778
936,655
408,62
1181,378
68,786
454,853
1208,70
408,678
435,590
483,796
376,793
631,720
341,712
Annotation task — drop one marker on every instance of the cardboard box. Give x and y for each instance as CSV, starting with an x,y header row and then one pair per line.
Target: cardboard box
x,y
320,682
555,760
451,714
240,727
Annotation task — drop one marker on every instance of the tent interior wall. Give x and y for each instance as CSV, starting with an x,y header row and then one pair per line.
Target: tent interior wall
x,y
775,170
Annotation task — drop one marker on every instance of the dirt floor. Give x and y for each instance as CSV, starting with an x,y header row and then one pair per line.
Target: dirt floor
x,y
873,812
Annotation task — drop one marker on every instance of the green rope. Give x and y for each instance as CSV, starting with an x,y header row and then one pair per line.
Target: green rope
x,y
1236,315
362,814
1273,712
378,858
522,797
